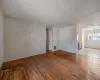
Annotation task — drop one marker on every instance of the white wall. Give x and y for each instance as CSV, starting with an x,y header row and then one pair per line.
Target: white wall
x,y
55,37
1,38
65,38
68,39
23,38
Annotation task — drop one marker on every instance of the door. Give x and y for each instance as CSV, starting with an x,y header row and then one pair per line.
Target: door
x,y
49,39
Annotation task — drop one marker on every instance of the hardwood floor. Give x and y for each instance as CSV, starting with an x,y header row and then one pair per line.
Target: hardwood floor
x,y
58,65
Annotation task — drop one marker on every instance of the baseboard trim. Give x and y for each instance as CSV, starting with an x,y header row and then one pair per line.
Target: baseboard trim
x,y
93,48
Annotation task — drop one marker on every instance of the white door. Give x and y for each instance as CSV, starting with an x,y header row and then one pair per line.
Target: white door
x,y
50,39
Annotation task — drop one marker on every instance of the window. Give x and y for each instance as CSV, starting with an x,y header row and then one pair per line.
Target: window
x,y
94,36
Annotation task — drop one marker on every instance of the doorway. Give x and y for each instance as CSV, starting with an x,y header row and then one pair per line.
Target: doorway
x,y
49,39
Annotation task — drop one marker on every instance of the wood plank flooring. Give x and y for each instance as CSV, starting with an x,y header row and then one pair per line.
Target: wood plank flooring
x,y
58,65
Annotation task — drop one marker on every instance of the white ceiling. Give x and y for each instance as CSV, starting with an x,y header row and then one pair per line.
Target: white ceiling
x,y
51,12
91,20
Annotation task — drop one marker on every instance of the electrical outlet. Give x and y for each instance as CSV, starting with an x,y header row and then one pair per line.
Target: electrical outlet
x,y
54,47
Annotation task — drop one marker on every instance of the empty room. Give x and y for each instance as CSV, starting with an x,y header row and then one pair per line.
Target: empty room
x,y
49,39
